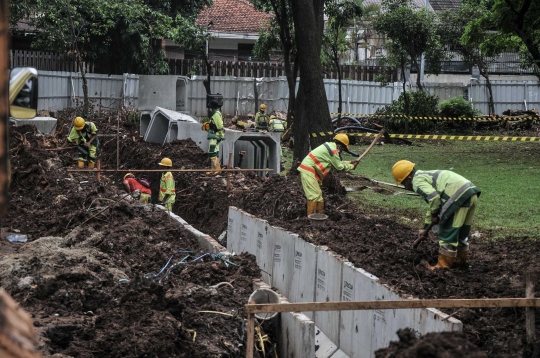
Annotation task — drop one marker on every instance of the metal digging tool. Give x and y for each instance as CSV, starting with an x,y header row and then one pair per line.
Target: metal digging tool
x,y
370,146
425,236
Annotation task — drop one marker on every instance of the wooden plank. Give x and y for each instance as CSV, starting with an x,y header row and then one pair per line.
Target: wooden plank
x,y
250,332
530,328
384,305
168,170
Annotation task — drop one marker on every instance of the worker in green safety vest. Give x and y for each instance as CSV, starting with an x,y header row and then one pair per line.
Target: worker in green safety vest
x,y
216,133
452,203
317,164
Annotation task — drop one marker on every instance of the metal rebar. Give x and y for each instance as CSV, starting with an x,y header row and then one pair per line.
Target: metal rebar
x,y
161,170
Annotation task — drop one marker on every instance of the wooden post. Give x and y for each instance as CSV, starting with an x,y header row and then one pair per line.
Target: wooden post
x,y
530,280
229,166
99,170
118,140
250,331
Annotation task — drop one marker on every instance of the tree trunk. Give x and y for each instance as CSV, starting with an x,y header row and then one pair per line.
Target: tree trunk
x,y
82,70
490,90
405,96
340,99
418,82
291,73
4,107
311,109
206,82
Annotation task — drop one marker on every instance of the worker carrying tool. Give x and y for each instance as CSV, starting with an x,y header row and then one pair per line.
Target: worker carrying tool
x,y
317,164
261,119
138,188
452,202
84,134
216,133
167,192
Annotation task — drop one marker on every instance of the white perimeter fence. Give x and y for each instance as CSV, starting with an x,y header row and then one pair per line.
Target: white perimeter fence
x,y
60,90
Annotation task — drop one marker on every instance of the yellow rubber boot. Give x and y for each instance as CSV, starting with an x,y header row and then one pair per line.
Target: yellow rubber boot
x,y
91,165
319,208
214,167
311,207
443,262
80,164
462,257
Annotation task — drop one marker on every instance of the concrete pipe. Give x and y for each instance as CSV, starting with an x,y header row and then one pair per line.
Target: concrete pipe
x,y
261,296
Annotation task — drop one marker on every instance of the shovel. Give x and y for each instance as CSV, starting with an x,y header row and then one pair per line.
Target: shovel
x,y
425,236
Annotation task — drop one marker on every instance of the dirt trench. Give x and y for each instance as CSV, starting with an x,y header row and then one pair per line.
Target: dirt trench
x,y
45,200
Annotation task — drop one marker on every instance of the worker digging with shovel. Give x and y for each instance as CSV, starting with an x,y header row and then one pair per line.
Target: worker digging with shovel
x,y
317,164
452,203
84,134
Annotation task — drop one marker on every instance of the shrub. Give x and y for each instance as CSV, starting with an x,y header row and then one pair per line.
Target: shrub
x,y
457,107
420,104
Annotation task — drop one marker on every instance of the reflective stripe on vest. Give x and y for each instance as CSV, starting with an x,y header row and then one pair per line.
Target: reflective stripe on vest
x,y
318,164
311,170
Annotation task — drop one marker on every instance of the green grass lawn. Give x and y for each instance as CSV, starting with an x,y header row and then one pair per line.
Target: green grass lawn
x,y
508,174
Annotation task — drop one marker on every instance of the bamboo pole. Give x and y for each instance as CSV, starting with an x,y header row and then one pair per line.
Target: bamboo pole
x,y
161,170
400,304
99,170
229,165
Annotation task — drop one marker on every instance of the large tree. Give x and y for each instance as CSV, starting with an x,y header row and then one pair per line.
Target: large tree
x,y
452,33
412,32
517,25
311,113
335,43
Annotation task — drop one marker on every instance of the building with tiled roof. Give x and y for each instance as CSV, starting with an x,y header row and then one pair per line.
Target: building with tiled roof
x,y
234,25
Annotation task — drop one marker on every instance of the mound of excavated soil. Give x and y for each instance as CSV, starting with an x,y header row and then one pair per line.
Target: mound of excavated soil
x,y
432,345
49,201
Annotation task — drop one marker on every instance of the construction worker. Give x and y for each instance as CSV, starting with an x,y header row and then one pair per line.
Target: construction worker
x,y
261,119
277,125
138,189
84,134
317,164
216,133
452,203
167,193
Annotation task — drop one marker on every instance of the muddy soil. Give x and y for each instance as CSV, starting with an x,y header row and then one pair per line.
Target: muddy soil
x,y
52,202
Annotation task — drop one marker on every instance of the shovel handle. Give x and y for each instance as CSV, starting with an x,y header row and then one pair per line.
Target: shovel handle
x,y
425,236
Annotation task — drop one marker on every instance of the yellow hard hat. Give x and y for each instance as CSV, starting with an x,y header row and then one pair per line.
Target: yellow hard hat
x,y
78,123
166,162
263,107
401,170
128,174
272,117
343,139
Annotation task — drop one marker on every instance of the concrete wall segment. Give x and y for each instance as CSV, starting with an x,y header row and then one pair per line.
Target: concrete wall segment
x,y
304,273
282,276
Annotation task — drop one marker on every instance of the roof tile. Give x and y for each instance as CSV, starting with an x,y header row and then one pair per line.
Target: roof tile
x,y
238,16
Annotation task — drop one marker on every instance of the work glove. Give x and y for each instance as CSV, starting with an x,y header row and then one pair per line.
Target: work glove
x,y
206,126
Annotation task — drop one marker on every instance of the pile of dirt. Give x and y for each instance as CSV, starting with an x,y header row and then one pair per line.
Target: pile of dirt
x,y
107,291
432,345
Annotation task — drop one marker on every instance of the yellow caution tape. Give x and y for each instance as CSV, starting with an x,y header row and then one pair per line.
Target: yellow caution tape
x,y
429,118
438,137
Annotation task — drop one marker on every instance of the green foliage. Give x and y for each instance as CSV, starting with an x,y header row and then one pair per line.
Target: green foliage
x,y
412,32
268,40
419,104
189,35
457,107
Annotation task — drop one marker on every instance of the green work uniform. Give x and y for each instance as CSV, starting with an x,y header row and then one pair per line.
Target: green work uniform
x,y
261,121
166,186
316,165
277,125
216,133
81,137
453,199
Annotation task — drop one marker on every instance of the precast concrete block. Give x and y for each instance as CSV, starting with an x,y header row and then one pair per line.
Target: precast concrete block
x,y
340,354
233,229
304,273
163,119
283,260
359,334
144,122
248,232
166,91
328,288
44,125
326,348
297,339
264,248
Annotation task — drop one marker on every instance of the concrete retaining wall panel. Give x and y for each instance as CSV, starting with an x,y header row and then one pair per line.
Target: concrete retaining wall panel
x,y
263,248
283,260
247,241
364,286
325,347
297,336
340,354
304,274
328,288
233,229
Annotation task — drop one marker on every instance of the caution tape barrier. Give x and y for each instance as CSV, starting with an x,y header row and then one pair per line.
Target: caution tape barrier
x,y
427,118
437,137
